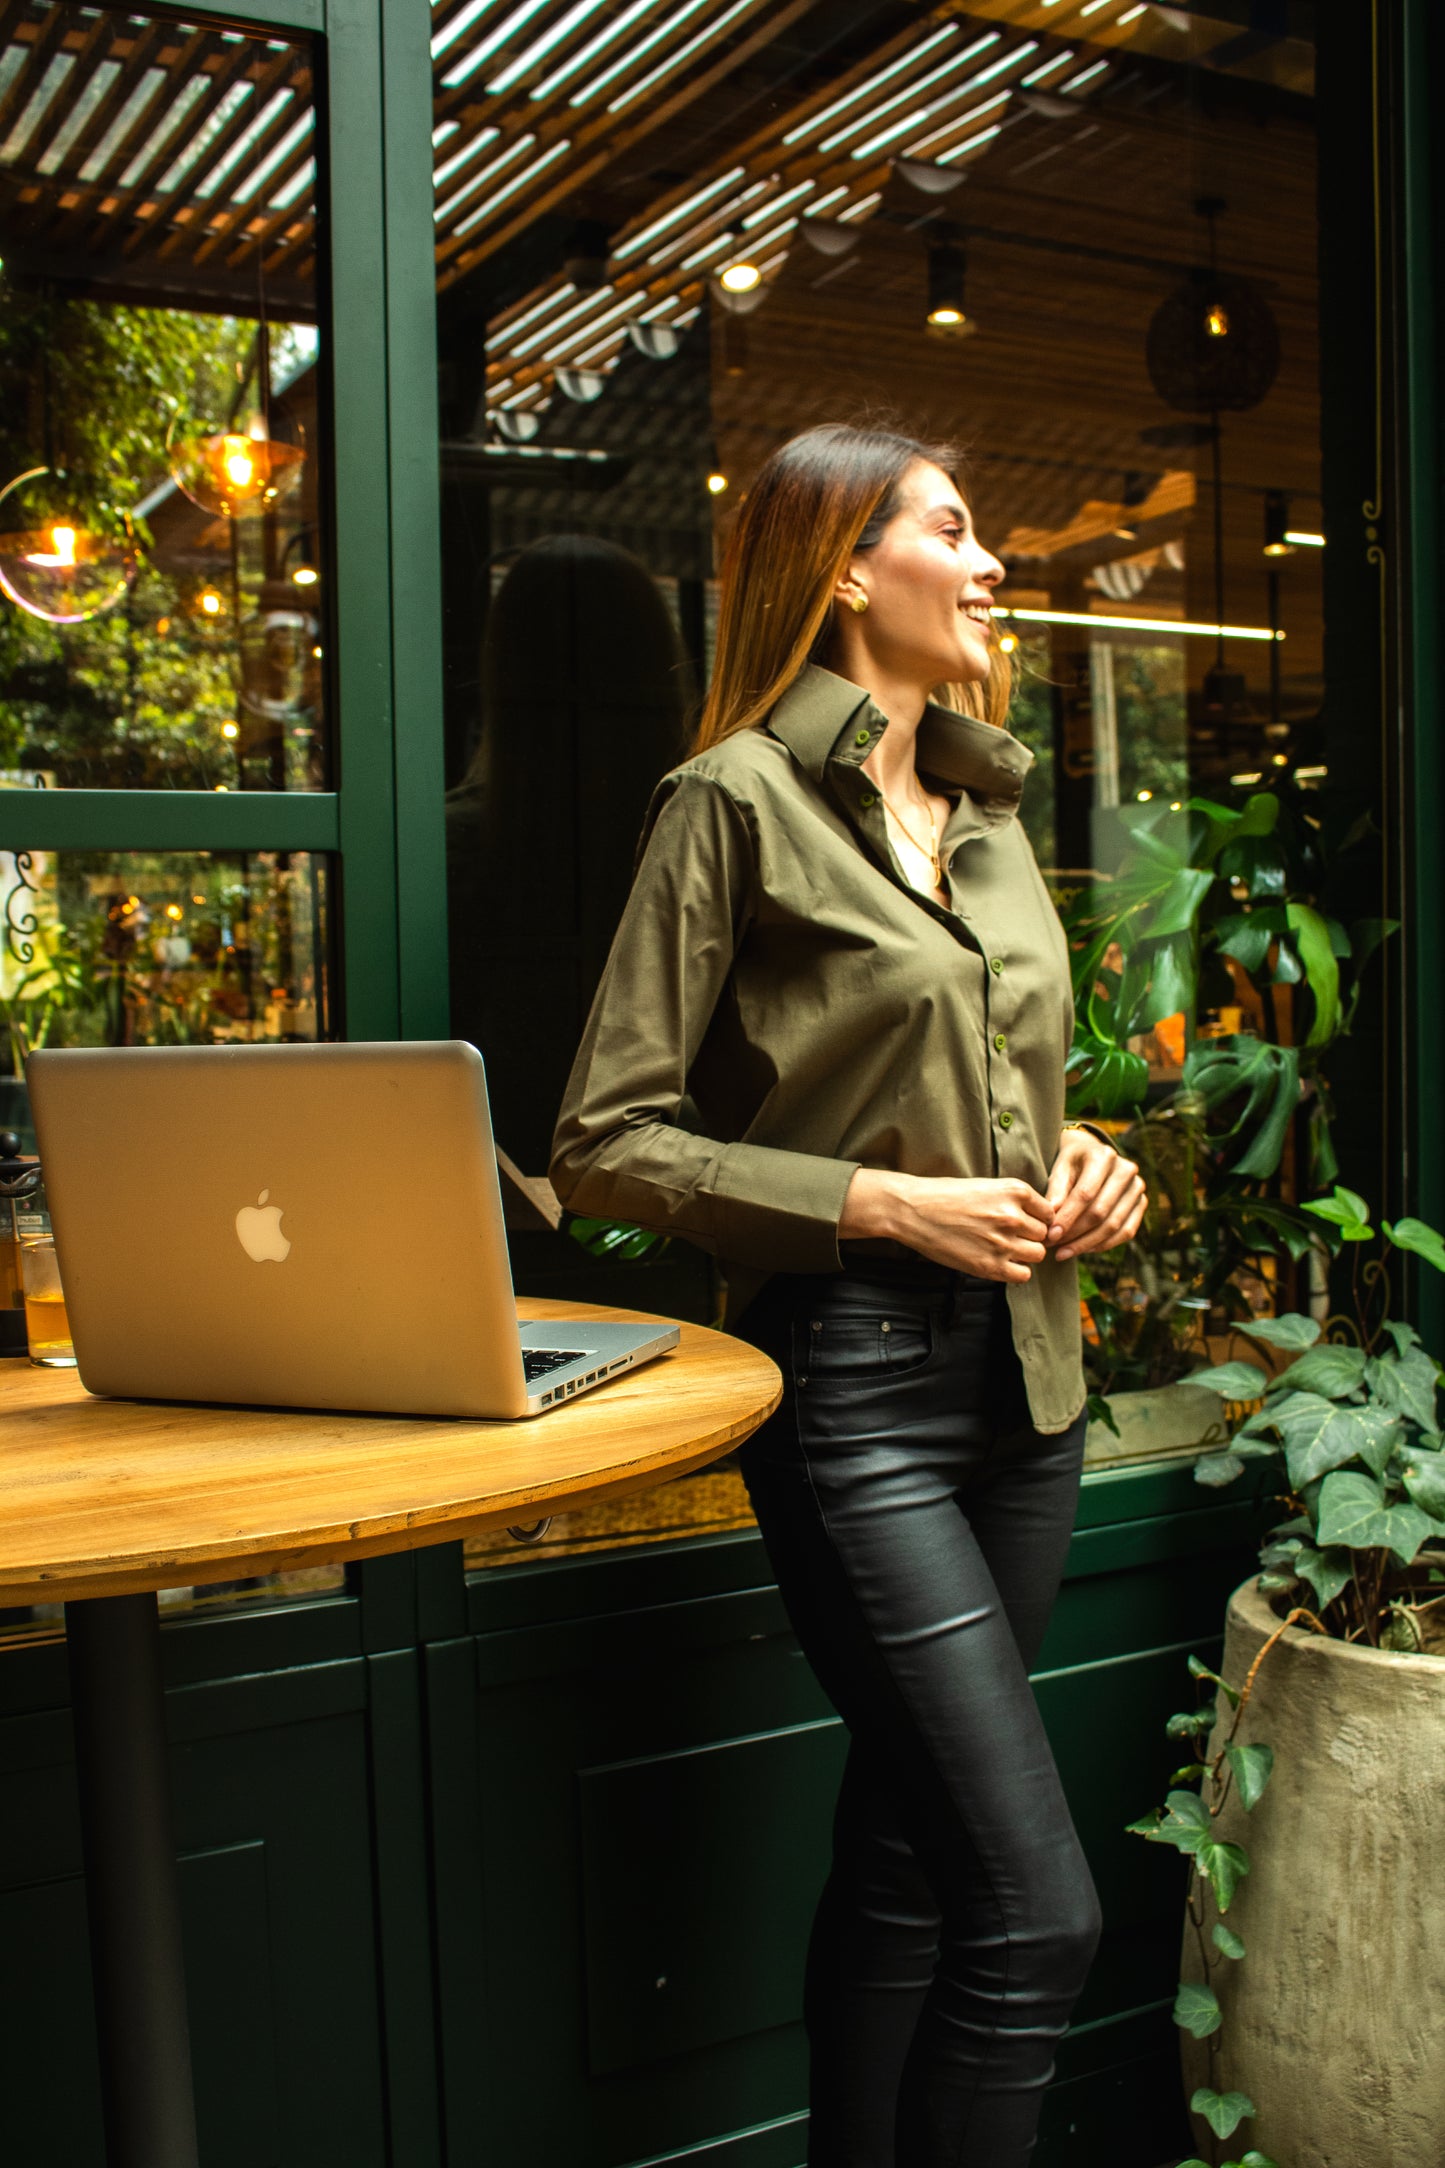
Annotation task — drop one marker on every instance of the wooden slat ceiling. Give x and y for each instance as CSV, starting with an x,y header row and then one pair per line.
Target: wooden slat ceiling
x,y
156,159
941,93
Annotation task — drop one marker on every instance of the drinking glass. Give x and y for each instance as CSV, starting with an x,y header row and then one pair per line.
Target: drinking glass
x,y
47,1326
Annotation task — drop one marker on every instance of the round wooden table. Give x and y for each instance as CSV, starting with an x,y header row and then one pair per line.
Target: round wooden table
x,y
102,1502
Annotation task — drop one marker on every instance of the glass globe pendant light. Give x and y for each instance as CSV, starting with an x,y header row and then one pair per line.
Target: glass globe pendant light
x,y
238,470
66,554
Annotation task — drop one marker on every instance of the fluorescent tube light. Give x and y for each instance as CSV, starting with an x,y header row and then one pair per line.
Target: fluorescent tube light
x,y
634,53
675,216
528,174
539,47
607,35
1137,624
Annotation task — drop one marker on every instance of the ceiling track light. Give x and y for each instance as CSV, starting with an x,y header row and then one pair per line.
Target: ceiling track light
x,y
948,315
741,273
1276,524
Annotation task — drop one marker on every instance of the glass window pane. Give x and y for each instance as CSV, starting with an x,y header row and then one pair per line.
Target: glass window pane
x,y
162,553
110,948
1083,246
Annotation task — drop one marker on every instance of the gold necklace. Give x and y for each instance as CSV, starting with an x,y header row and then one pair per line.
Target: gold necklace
x,y
929,849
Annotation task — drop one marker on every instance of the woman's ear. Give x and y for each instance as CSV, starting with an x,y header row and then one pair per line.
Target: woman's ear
x,y
851,594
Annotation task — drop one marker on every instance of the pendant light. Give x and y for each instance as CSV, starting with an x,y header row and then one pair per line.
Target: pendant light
x,y
66,554
238,469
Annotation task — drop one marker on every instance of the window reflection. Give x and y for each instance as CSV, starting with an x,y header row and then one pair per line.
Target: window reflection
x,y
158,949
161,546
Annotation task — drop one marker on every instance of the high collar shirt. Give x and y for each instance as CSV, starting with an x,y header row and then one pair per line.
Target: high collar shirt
x,y
781,1007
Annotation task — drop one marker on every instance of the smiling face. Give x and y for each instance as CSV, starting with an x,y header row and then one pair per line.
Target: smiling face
x,y
929,583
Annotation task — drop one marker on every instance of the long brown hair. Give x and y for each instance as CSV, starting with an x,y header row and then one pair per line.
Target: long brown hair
x,y
815,502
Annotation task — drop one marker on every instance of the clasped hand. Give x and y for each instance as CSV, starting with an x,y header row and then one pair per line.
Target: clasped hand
x,y
1000,1229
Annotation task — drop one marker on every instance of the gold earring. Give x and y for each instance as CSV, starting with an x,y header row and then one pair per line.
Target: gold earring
x,y
858,604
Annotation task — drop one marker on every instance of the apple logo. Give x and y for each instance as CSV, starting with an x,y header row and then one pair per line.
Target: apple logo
x,y
259,1228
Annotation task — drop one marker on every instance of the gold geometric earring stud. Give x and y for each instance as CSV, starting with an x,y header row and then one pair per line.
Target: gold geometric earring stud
x,y
858,604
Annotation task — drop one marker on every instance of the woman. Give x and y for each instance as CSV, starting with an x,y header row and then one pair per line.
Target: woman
x,y
829,1046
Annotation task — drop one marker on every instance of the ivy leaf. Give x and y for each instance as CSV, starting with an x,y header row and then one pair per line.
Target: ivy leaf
x,y
1216,1469
1190,1723
1345,1209
1197,2011
1184,1823
1413,1234
1232,1381
1423,1473
1223,2112
1330,1369
1227,1940
1255,2159
1198,1669
1224,1864
1253,1766
1406,1382
1319,1436
1290,1331
1353,1512
1326,1571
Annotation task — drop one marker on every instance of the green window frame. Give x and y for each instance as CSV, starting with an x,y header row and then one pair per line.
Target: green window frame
x,y
383,823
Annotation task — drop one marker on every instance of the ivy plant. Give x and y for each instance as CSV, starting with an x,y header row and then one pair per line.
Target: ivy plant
x,y
1353,1421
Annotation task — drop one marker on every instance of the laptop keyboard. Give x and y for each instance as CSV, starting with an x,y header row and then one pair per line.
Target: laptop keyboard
x,y
537,1361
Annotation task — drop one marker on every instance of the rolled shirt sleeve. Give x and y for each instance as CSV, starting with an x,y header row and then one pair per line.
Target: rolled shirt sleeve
x,y
623,1149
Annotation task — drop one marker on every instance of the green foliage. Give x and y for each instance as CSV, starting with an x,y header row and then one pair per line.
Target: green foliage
x,y
1197,2011
1214,906
1355,1419
137,696
1223,2112
617,1240
1187,1822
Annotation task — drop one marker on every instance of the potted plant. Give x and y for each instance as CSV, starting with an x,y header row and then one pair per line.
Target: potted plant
x,y
1315,2011
1222,913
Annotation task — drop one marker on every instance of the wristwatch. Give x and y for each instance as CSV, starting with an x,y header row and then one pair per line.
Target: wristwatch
x,y
1094,1131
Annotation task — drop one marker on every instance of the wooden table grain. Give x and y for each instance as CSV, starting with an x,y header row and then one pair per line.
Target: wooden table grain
x,y
102,1502
117,1497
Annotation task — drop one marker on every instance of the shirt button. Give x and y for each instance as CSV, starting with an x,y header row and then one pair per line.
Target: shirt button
x,y
863,737
869,797
995,965
999,1042
1005,1121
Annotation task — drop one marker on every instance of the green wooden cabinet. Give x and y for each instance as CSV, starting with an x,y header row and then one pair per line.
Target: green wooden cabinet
x,y
270,1764
633,1770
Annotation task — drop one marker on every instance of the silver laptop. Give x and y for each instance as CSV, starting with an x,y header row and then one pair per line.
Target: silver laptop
x,y
298,1226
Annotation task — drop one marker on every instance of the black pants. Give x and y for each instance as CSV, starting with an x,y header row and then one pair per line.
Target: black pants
x,y
917,1525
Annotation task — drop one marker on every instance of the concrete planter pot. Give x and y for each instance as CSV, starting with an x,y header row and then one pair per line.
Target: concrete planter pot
x,y
1334,2022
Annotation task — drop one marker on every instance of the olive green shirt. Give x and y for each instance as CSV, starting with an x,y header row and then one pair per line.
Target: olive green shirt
x,y
780,1007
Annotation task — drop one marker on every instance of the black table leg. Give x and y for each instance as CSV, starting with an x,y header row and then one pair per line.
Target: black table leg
x,y
132,1890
